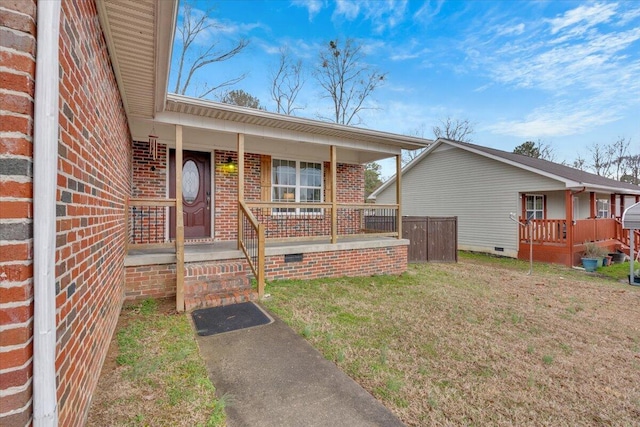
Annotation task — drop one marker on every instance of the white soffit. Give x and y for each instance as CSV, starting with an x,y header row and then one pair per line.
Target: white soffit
x,y
130,31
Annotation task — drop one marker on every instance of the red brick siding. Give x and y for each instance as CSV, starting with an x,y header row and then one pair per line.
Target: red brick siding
x,y
17,84
147,224
351,263
93,183
226,191
149,175
150,281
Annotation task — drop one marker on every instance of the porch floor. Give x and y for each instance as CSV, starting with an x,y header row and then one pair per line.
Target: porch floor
x,y
223,250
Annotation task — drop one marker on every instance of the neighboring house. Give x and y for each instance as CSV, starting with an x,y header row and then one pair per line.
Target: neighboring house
x,y
483,186
89,215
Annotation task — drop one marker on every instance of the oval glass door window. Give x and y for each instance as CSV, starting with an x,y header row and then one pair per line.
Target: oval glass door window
x,y
190,181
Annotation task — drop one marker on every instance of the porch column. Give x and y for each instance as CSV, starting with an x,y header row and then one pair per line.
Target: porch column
x,y
334,194
240,183
568,205
179,224
621,205
592,205
613,206
399,194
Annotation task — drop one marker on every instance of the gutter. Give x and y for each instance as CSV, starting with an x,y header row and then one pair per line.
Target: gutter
x,y
45,167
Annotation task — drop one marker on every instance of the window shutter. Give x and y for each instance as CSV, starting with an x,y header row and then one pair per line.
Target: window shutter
x,y
328,191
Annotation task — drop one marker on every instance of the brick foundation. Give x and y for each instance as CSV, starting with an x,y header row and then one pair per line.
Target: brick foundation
x,y
224,282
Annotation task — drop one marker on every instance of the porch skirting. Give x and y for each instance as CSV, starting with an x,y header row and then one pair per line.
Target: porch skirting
x,y
224,277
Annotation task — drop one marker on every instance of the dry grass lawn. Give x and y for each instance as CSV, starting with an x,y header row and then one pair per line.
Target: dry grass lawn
x,y
480,342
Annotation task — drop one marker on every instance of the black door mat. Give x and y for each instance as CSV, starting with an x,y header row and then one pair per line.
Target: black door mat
x,y
216,320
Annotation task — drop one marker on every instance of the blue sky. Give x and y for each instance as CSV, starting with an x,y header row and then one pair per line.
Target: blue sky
x,y
563,72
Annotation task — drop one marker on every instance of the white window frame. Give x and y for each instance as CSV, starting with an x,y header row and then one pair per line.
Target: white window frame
x,y
534,210
298,188
602,208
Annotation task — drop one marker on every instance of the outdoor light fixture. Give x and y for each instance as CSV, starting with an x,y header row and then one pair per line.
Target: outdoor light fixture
x,y
229,165
153,143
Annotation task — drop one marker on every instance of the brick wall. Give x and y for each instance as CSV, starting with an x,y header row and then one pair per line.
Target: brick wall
x,y
226,191
93,183
147,224
93,180
17,56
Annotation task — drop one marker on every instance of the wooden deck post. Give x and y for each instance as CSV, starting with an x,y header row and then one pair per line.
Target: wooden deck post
x,y
261,273
592,205
399,194
240,183
613,206
568,204
334,195
179,224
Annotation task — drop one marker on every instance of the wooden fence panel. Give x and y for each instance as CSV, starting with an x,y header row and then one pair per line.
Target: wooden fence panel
x,y
442,239
432,239
415,229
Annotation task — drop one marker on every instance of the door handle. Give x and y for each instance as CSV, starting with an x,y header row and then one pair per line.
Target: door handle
x,y
208,200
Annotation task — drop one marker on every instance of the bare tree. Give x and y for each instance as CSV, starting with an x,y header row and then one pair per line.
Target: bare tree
x,y
601,156
455,130
194,24
287,81
632,165
347,80
619,152
409,155
579,163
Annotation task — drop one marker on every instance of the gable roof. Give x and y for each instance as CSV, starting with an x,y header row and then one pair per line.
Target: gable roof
x,y
572,178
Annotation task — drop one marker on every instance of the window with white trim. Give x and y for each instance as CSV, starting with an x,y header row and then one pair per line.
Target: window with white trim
x,y
296,181
602,208
534,206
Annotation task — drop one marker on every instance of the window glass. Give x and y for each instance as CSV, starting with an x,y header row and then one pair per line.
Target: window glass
x,y
190,181
535,207
294,181
602,208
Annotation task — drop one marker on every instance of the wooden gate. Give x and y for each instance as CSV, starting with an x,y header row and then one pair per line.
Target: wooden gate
x,y
433,239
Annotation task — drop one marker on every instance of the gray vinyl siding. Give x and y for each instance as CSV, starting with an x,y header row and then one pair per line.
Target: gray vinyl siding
x,y
481,192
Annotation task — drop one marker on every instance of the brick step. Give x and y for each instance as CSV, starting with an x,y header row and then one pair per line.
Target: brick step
x,y
220,298
217,283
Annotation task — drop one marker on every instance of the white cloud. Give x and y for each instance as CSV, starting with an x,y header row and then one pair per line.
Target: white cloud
x,y
428,11
382,14
312,6
562,119
510,30
586,16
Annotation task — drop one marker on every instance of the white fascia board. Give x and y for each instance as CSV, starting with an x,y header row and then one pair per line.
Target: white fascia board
x,y
220,125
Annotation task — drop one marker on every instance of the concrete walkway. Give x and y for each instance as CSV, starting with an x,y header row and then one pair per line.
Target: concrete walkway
x,y
273,377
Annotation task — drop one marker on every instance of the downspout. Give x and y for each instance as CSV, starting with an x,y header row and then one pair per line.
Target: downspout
x,y
45,167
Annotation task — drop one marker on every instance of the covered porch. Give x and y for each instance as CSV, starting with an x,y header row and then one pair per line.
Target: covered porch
x,y
562,240
284,198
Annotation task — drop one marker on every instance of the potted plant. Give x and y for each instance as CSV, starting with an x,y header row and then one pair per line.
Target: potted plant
x,y
592,258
